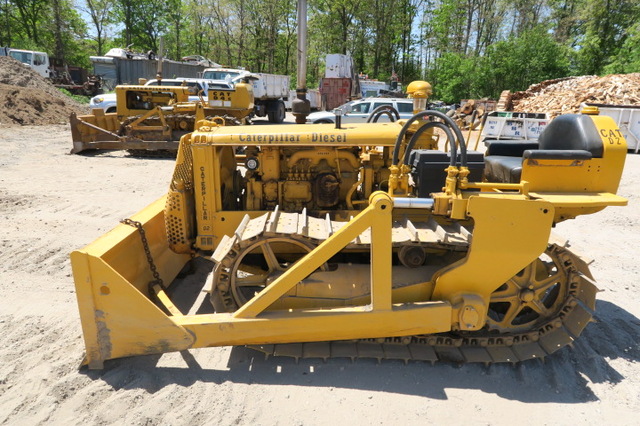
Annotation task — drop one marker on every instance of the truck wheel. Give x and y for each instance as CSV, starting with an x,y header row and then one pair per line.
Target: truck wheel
x,y
277,115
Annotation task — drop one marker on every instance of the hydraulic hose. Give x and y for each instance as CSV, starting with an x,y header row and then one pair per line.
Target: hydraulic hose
x,y
447,121
383,109
424,128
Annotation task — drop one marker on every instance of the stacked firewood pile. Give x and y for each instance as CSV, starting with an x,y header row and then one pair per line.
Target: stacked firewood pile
x,y
471,112
564,95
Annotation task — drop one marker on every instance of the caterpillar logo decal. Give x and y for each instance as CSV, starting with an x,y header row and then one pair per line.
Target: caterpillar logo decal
x,y
281,137
287,137
614,136
331,137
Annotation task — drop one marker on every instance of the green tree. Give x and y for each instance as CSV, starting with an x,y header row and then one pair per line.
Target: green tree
x,y
176,17
152,22
445,25
518,62
566,20
527,14
627,60
6,23
30,13
336,20
197,28
100,13
453,77
127,13
605,32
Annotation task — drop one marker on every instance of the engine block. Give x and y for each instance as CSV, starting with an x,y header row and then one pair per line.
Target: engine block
x,y
322,178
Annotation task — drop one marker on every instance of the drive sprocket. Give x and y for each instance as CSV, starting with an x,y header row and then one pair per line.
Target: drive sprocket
x,y
531,296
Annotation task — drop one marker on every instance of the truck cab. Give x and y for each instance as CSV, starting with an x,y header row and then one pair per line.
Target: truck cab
x,y
229,75
38,61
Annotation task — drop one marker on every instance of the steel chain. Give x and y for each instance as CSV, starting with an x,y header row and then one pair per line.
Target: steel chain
x,y
147,251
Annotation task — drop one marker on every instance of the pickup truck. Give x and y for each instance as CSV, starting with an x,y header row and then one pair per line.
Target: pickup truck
x,y
107,102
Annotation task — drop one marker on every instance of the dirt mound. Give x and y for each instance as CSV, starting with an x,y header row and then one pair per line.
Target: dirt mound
x,y
564,95
28,98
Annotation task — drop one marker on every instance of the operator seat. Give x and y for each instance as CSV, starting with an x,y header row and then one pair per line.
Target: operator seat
x,y
567,137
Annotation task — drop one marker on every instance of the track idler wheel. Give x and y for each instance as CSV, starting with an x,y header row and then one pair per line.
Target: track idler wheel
x,y
254,267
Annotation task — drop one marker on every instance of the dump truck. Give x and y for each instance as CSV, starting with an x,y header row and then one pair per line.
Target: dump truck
x,y
270,91
151,119
358,241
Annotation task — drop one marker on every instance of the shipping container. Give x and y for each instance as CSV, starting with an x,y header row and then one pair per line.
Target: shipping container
x,y
115,71
338,66
335,92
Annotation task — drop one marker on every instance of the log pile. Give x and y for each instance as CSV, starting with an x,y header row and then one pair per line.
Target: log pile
x,y
505,102
564,95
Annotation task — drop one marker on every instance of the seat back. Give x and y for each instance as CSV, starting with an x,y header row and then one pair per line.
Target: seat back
x,y
572,132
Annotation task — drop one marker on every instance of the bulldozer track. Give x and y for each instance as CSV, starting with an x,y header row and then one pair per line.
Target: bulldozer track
x,y
572,309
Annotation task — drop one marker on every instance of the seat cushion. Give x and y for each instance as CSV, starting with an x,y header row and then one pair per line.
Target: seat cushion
x,y
510,148
503,169
572,132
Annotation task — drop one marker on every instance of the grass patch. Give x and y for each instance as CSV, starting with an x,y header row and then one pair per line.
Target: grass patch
x,y
77,98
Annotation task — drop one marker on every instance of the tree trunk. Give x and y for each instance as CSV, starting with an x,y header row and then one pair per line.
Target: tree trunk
x,y
57,31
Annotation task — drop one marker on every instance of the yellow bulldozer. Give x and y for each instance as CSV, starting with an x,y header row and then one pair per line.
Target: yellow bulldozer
x,y
153,118
355,241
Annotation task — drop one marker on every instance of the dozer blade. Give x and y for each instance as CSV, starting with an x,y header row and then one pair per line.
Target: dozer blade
x,y
112,277
126,144
100,131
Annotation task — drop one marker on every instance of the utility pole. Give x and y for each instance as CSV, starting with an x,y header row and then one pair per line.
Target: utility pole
x,y
300,107
160,58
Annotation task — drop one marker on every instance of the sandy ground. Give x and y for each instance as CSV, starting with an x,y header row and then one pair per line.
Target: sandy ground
x,y
52,203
